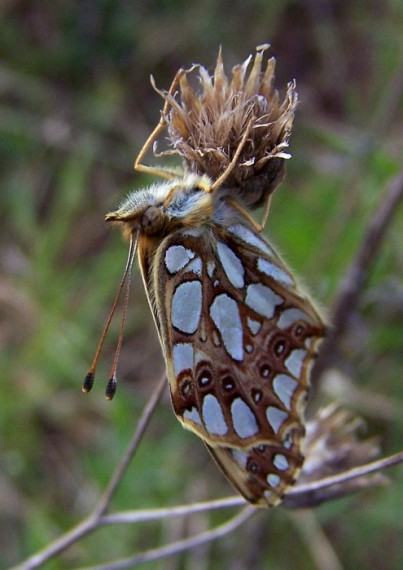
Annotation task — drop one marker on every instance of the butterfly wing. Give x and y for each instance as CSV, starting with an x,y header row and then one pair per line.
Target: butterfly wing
x,y
239,338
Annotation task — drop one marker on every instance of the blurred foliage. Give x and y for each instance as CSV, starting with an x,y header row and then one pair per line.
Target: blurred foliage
x,y
76,106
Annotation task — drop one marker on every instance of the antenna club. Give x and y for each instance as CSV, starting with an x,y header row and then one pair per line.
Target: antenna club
x,y
88,382
110,388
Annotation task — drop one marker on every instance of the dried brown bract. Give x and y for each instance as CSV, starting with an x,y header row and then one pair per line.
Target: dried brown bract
x,y
241,119
333,448
332,444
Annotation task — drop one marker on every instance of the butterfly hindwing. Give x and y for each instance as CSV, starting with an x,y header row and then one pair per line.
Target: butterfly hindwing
x,y
262,474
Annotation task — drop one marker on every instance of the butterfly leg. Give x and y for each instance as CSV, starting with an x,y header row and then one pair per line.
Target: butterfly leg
x,y
247,216
161,126
221,179
232,202
266,211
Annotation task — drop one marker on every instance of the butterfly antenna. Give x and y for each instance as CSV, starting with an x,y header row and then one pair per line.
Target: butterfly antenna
x,y
89,379
111,386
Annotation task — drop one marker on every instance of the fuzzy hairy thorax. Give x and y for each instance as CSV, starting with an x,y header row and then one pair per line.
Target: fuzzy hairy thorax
x,y
171,205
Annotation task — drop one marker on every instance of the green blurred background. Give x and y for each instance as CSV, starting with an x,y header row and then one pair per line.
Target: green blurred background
x,y
76,107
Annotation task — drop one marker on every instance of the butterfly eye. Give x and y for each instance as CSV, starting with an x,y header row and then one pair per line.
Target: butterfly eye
x,y
152,220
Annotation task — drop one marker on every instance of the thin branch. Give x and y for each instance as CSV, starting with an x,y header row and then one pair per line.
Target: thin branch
x,y
138,516
320,548
292,499
180,545
389,103
142,425
92,522
306,494
358,273
297,496
302,495
87,526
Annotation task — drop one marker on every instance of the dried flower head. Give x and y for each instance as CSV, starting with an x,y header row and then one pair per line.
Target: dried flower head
x,y
241,120
333,447
332,443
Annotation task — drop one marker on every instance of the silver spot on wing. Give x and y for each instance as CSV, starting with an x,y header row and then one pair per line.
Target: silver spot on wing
x,y
225,314
232,265
195,266
240,457
254,326
262,299
186,306
273,479
295,361
250,238
192,415
291,316
284,387
271,270
177,257
243,419
281,462
182,357
276,417
213,416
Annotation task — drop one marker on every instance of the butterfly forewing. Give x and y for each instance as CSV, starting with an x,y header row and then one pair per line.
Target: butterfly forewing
x,y
239,338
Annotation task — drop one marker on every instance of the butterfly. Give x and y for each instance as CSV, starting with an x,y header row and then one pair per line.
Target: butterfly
x,y
238,334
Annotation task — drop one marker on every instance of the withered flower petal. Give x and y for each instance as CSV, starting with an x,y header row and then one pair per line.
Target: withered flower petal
x,y
333,447
207,127
332,443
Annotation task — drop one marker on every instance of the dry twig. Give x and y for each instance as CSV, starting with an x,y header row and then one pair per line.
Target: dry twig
x,y
92,522
358,273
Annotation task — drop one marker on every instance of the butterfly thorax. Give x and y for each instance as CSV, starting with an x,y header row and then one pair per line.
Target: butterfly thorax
x,y
182,203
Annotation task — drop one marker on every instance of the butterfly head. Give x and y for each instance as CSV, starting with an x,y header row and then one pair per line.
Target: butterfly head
x,y
162,208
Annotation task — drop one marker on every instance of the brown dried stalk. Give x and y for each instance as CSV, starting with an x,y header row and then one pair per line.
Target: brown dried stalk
x,y
358,273
302,495
93,521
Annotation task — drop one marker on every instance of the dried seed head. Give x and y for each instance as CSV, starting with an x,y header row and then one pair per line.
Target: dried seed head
x,y
332,448
206,127
332,444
